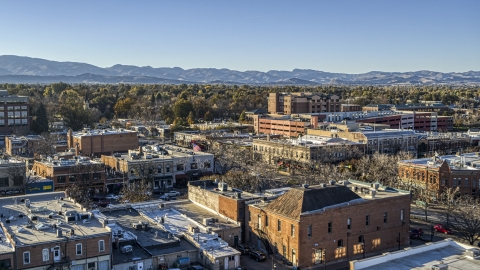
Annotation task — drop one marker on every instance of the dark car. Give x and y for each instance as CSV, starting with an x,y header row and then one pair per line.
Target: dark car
x,y
442,229
195,267
243,249
416,233
102,203
257,255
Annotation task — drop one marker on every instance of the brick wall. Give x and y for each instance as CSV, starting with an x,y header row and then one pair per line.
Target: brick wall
x,y
90,249
204,197
378,235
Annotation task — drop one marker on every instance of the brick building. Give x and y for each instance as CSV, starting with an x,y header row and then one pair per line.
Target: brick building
x,y
65,172
293,103
289,127
12,176
311,225
350,108
424,121
440,172
97,142
49,233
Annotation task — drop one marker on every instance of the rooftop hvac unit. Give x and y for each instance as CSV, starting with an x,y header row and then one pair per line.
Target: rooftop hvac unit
x,y
440,267
207,221
127,249
473,252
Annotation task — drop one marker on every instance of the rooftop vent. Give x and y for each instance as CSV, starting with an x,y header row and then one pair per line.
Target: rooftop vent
x,y
305,185
127,249
332,182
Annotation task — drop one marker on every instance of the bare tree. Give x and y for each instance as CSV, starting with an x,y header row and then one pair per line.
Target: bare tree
x,y
139,187
466,219
448,198
83,177
45,146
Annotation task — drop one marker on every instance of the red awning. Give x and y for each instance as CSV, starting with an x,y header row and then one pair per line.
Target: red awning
x,y
180,176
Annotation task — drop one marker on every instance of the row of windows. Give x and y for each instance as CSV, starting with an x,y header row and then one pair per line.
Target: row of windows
x,y
56,252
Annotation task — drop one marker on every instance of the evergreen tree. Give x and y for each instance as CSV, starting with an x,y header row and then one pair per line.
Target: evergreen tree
x,y
40,124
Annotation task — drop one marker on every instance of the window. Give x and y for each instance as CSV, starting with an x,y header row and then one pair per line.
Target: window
x,y
45,255
454,182
159,169
249,216
459,181
193,166
97,176
309,231
26,257
292,230
61,179
340,243
179,167
231,258
101,245
349,224
91,265
206,164
79,249
266,221
72,178
367,220
385,218
5,264
167,168
361,239
4,182
330,227
284,251
466,182
401,215
279,225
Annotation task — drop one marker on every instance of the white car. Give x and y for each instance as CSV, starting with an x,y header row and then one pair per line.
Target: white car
x,y
173,193
111,197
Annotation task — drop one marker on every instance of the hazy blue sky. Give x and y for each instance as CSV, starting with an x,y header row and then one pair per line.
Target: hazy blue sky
x,y
337,36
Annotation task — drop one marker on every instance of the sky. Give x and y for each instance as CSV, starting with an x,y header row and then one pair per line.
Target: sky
x,y
335,36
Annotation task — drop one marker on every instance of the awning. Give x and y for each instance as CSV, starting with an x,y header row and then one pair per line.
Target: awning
x,y
180,176
207,173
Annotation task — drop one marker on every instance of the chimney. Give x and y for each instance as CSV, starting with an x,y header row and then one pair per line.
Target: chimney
x,y
140,150
332,182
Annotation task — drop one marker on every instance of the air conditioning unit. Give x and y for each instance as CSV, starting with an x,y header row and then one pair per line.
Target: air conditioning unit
x,y
440,267
127,249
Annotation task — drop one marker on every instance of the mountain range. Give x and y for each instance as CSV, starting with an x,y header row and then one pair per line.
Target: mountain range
x,y
20,69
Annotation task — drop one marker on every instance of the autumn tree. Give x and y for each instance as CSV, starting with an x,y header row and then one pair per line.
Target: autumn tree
x,y
123,106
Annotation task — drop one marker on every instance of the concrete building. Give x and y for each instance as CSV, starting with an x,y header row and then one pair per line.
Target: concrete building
x,y
313,225
65,172
294,103
446,254
49,231
14,116
97,142
440,172
164,165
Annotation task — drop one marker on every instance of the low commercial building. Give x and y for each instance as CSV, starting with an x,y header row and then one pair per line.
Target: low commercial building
x,y
313,225
439,172
444,143
94,143
384,141
48,231
78,170
307,149
209,233
12,176
163,165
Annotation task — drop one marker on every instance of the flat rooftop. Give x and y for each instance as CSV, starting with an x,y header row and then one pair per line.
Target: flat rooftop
x,y
467,161
173,220
101,132
45,208
447,253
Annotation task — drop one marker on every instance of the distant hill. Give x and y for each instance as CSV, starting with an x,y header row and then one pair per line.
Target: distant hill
x,y
19,69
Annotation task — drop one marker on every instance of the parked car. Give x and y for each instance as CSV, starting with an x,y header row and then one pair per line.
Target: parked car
x,y
195,267
111,197
257,255
243,249
103,203
165,197
173,193
416,233
442,229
